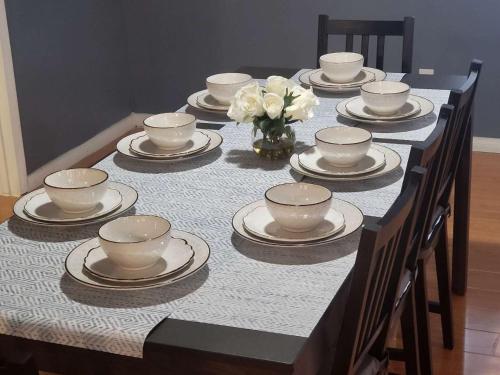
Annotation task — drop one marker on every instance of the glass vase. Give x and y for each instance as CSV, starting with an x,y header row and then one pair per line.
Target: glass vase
x,y
274,147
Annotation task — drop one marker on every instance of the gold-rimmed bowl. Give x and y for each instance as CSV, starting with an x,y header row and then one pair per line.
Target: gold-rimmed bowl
x,y
76,190
343,146
385,97
299,206
135,242
341,67
170,131
224,86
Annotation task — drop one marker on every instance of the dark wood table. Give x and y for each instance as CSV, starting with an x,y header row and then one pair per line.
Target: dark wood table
x,y
183,347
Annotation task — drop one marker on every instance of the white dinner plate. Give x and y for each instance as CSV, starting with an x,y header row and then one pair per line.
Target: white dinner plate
x,y
207,101
143,146
260,223
319,79
123,147
312,160
74,265
426,108
128,194
392,162
304,79
41,207
353,218
176,256
358,108
192,100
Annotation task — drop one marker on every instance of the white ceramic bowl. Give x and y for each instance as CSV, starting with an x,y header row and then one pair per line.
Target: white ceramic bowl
x,y
385,97
298,207
170,131
341,67
135,242
343,146
76,190
224,86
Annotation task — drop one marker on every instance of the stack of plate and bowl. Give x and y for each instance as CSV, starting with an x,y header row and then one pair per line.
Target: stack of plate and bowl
x,y
297,215
221,89
74,197
385,102
137,252
169,137
344,153
341,72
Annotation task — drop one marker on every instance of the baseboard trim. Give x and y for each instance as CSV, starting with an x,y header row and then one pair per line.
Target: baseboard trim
x,y
90,146
484,144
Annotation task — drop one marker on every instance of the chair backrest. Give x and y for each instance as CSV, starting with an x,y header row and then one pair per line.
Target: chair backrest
x,y
462,99
377,271
380,29
430,155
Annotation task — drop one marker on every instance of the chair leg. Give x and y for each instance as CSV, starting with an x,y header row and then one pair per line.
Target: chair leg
x,y
410,335
444,287
21,364
422,311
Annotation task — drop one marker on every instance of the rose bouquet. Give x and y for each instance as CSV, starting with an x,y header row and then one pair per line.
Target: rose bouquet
x,y
271,110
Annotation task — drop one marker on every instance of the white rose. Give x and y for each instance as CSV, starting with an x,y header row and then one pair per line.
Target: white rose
x,y
273,104
278,85
247,104
301,107
298,90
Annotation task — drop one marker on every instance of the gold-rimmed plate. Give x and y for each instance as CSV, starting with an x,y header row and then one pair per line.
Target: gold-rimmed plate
x,y
129,197
40,207
312,160
143,146
392,162
74,266
426,108
358,108
304,79
177,255
318,78
123,147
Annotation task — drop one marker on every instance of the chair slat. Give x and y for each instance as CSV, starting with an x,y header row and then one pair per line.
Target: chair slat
x,y
349,42
365,42
380,52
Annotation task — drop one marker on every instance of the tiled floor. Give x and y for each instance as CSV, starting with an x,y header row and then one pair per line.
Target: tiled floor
x,y
477,315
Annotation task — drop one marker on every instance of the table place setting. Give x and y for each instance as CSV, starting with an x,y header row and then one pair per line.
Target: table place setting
x,y
221,89
169,137
385,103
340,72
345,153
137,252
297,215
75,197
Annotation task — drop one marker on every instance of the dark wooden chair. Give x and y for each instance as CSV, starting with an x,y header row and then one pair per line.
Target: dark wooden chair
x,y
380,29
376,275
442,164
412,298
437,240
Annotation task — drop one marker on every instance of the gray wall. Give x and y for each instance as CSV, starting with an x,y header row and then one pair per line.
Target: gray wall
x,y
71,69
81,65
174,45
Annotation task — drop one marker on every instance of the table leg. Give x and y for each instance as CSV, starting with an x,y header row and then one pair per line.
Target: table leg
x,y
461,217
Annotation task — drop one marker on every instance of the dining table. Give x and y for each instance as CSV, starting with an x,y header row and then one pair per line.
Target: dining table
x,y
252,309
